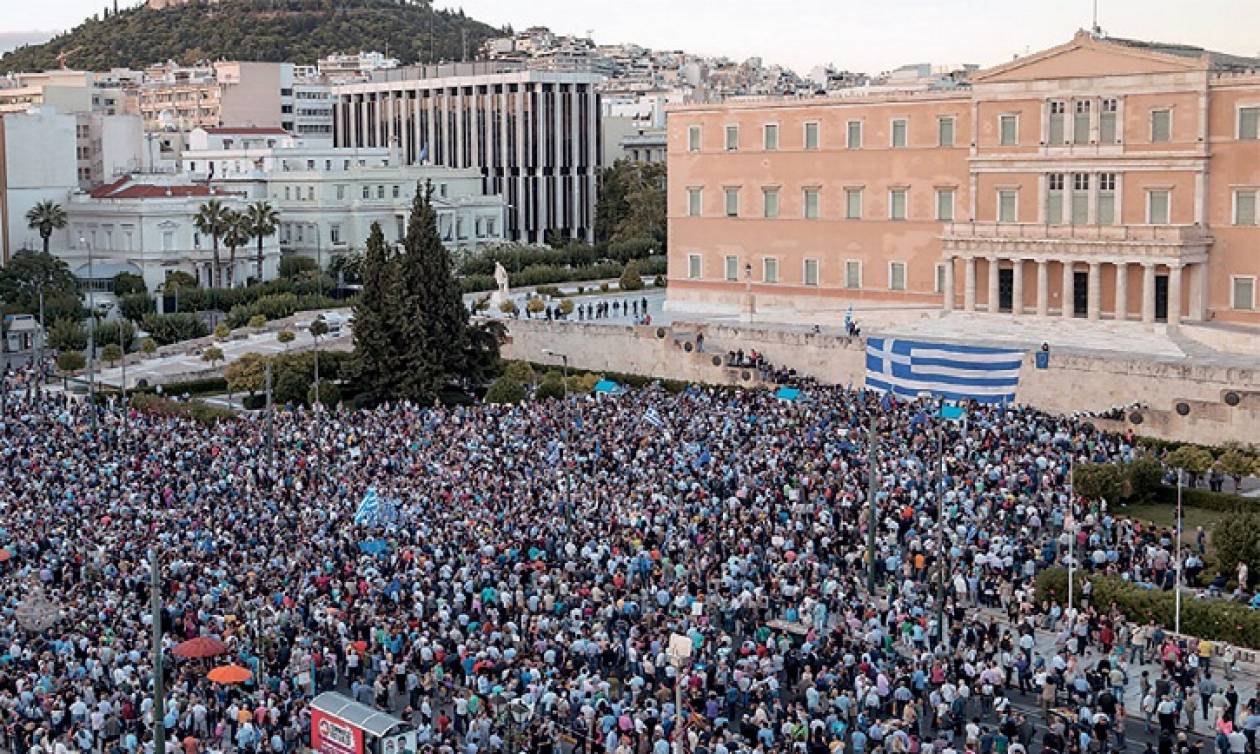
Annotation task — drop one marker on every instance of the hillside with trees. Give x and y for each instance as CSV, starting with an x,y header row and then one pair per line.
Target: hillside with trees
x,y
298,31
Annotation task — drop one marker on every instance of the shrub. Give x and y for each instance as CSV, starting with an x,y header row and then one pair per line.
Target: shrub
x,y
508,306
632,248
1236,539
566,306
520,371
257,322
213,355
550,386
547,290
506,389
222,331
246,374
583,383
1192,459
148,346
1219,620
329,394
631,279
134,306
1236,464
603,287
285,336
1143,477
1098,481
319,328
535,305
71,361
111,354
290,387
119,332
67,335
1207,500
198,411
482,303
128,283
172,328
293,266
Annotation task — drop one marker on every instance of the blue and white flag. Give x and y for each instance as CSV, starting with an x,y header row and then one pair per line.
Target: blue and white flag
x,y
375,510
653,417
910,367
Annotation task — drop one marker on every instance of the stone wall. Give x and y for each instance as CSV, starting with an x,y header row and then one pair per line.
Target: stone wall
x,y
1072,383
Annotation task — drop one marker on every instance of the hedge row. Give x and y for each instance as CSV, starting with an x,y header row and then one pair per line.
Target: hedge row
x,y
1216,619
198,411
544,274
1213,501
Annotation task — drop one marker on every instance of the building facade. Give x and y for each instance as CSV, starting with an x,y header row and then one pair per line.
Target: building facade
x,y
38,163
145,225
328,197
534,136
1103,178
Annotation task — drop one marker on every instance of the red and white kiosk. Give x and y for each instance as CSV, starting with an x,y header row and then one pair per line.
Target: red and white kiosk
x,y
340,725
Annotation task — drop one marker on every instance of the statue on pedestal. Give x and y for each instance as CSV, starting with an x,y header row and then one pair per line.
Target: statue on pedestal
x,y
501,279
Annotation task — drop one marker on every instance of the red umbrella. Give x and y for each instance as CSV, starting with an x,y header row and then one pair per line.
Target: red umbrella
x,y
202,646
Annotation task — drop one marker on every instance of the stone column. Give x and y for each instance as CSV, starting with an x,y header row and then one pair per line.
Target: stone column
x,y
1017,286
1198,293
1122,291
1148,292
993,285
1043,288
949,285
1069,301
969,285
1174,294
1094,292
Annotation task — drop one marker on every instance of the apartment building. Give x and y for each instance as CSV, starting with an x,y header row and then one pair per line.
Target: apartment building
x,y
68,91
1104,178
533,135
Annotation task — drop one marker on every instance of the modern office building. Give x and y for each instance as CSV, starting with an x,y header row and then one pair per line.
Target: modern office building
x,y
533,135
1103,178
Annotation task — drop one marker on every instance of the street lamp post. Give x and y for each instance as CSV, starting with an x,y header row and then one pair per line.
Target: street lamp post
x,y
568,420
750,307
159,696
873,507
1177,588
91,333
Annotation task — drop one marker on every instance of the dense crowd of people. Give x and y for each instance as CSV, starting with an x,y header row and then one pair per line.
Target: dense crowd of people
x,y
544,567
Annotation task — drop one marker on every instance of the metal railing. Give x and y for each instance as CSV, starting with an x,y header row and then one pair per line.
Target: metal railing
x,y
1169,234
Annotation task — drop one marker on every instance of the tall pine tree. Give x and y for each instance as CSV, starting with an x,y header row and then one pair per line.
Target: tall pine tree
x,y
431,319
375,349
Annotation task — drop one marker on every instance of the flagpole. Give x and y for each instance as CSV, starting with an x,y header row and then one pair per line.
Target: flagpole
x,y
873,450
1177,589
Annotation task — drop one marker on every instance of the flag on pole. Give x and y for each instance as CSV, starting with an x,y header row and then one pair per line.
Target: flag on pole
x,y
953,372
653,417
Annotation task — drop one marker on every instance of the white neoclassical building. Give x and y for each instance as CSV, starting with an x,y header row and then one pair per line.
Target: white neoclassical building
x,y
144,224
328,197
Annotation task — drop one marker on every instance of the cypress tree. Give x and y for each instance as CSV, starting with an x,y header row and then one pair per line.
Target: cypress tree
x,y
374,336
432,319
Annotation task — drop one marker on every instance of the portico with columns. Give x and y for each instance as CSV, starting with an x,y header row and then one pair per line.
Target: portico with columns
x,y
1168,261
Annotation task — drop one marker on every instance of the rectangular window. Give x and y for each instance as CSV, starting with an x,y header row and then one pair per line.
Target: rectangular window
x,y
1161,125
899,132
1157,206
769,270
811,136
1008,204
1008,126
1245,207
897,204
693,202
1054,198
396,192
1056,133
853,204
852,274
341,191
1106,199
367,192
1080,198
693,139
732,138
811,272
334,233
732,268
288,193
1107,122
1249,122
693,266
811,203
732,202
940,278
380,192
1080,123
897,276
853,137
945,132
770,137
945,204
770,202
1244,293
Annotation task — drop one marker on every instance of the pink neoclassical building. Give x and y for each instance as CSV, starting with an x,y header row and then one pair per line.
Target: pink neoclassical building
x,y
1103,179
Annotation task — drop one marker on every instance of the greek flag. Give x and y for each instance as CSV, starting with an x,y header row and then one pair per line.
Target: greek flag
x,y
376,511
653,417
910,367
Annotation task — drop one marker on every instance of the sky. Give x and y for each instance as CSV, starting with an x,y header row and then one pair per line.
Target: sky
x,y
865,35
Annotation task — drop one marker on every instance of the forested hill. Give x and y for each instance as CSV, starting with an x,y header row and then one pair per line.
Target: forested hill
x,y
298,31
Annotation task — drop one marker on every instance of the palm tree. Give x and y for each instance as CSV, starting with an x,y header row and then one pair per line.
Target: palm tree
x,y
263,221
212,220
46,216
236,234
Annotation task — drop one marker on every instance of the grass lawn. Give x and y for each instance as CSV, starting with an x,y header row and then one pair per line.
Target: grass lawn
x,y
1162,514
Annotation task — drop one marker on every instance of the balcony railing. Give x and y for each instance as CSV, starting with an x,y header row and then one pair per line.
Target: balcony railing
x,y
1144,234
